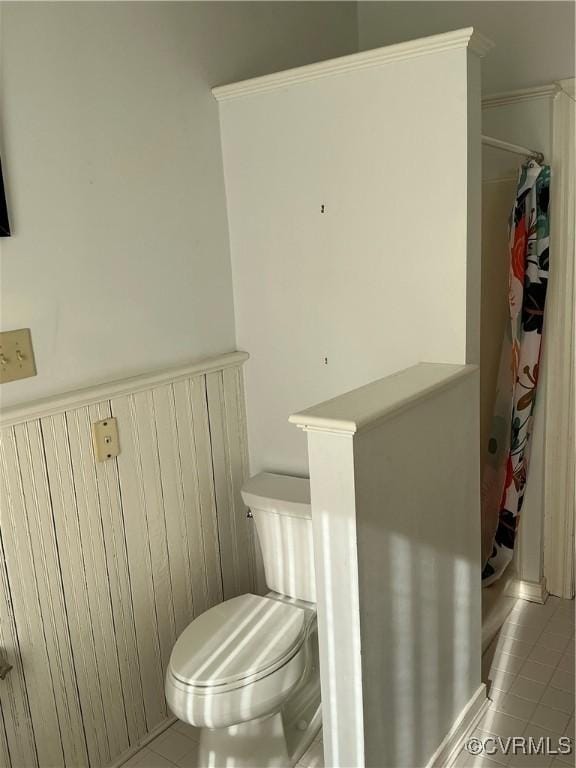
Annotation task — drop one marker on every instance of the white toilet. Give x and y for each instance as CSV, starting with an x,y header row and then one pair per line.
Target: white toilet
x,y
246,671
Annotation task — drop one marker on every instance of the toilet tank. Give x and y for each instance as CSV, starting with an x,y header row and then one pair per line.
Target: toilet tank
x,y
280,506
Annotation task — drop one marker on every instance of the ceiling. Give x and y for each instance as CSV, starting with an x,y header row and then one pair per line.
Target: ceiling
x,y
534,41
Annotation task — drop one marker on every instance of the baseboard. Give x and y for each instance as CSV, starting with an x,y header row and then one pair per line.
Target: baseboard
x,y
462,728
533,591
125,756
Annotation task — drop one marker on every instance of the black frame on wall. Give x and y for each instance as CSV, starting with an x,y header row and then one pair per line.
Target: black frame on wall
x,y
4,222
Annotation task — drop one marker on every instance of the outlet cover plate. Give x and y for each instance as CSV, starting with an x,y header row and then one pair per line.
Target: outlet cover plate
x,y
106,443
16,355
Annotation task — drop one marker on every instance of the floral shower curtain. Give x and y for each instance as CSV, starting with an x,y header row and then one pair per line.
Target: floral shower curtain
x,y
504,475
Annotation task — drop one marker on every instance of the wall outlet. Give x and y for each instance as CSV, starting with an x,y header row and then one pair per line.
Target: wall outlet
x,y
106,443
16,355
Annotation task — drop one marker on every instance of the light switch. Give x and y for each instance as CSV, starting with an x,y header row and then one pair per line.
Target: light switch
x,y
16,355
106,443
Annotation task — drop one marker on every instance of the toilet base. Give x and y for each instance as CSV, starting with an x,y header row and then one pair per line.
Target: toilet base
x,y
256,744
274,741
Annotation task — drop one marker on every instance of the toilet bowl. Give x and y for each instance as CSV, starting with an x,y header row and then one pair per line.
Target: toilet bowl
x,y
238,661
246,671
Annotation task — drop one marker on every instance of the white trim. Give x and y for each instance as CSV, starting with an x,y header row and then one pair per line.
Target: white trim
x,y
366,407
568,86
517,96
164,725
534,592
81,397
559,452
460,38
332,487
462,728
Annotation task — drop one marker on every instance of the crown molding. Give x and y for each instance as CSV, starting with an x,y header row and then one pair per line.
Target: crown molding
x,y
460,38
520,95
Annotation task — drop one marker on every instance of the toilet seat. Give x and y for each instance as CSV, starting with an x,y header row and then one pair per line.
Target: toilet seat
x,y
237,643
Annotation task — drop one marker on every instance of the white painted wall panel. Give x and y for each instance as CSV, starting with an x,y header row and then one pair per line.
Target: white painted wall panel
x,y
106,563
418,521
394,477
348,201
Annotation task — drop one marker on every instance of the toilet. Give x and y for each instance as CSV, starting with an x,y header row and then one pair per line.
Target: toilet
x,y
246,671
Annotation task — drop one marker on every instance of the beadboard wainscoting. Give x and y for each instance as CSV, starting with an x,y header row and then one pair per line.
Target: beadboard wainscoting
x,y
104,564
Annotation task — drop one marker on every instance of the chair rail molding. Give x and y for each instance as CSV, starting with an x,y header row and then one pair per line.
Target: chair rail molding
x,y
80,398
559,488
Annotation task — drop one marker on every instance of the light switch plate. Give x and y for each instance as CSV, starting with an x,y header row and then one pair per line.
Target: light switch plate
x,y
106,443
16,355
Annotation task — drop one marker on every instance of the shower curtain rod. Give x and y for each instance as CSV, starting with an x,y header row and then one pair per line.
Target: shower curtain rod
x,y
516,148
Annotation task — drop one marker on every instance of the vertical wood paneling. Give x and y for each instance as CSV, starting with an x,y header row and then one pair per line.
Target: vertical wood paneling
x,y
234,426
5,760
227,533
47,568
24,589
205,473
173,506
256,562
134,506
92,543
46,565
120,590
17,747
66,513
156,522
202,570
198,489
228,458
106,563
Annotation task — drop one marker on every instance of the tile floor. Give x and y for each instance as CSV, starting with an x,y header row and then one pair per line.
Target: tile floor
x,y
529,670
178,746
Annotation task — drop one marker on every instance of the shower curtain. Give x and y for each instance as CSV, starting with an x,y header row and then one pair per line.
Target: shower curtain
x,y
504,474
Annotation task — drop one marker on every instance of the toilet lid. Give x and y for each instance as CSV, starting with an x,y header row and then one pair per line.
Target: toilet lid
x,y
247,636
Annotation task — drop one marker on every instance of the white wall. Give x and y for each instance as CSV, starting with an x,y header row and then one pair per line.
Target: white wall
x,y
379,280
534,40
119,261
419,564
395,510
